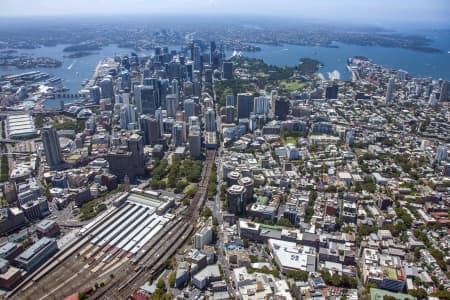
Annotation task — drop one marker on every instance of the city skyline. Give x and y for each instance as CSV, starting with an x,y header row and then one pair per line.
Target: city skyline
x,y
380,13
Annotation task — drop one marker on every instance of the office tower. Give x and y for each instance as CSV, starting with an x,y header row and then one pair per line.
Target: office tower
x,y
445,91
227,70
193,121
178,134
176,88
52,149
195,141
273,97
123,115
229,113
212,52
281,108
125,82
208,76
331,92
235,199
107,89
151,81
163,86
127,115
441,153
129,161
210,120
159,117
172,105
151,130
244,105
229,100
188,89
189,71
433,100
390,90
174,70
189,108
261,105
146,99
197,58
95,95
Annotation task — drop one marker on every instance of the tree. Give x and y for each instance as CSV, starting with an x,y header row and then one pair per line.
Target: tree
x,y
284,222
297,275
206,212
172,278
161,284
419,293
245,242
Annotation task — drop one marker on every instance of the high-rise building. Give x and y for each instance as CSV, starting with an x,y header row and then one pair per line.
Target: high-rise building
x,y
189,108
390,90
95,94
195,141
189,71
107,88
151,130
197,58
175,88
261,105
432,100
210,120
178,134
331,92
229,113
441,153
193,121
445,92
146,99
172,105
227,70
128,161
51,145
244,105
236,200
229,100
282,108
212,52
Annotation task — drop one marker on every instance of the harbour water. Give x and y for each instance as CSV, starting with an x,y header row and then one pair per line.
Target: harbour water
x,y
419,64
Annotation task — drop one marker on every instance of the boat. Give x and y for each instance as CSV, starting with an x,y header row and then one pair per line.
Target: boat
x,y
71,65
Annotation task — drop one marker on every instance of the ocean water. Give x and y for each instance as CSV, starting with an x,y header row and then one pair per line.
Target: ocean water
x,y
418,64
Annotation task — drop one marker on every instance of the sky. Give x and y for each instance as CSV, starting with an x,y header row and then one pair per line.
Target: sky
x,y
360,11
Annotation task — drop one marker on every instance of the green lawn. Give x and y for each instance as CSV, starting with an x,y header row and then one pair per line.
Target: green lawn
x,y
293,85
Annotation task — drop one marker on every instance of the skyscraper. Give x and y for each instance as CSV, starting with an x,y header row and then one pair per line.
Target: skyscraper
x,y
107,89
146,99
281,108
195,141
227,70
210,120
390,90
244,105
94,93
229,100
151,130
229,112
261,105
441,153
175,88
178,134
51,145
189,108
331,92
172,105
445,91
